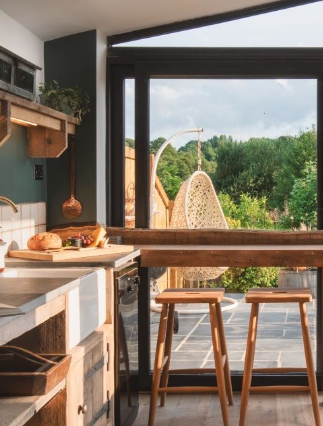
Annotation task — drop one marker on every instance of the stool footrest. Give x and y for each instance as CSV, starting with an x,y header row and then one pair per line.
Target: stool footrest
x,y
278,389
192,371
280,370
188,389
197,370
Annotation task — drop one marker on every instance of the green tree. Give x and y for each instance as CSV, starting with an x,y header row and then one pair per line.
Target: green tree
x,y
247,167
175,166
302,204
130,142
296,153
167,169
155,145
229,164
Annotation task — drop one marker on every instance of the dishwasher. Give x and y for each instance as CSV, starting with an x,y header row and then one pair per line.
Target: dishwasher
x,y
126,285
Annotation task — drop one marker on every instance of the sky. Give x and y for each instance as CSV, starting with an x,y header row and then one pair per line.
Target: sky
x,y
239,108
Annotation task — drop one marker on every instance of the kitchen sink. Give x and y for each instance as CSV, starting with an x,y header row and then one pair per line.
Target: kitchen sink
x,y
85,302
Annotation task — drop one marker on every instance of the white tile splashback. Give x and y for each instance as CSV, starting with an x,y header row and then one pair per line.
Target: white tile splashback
x,y
17,228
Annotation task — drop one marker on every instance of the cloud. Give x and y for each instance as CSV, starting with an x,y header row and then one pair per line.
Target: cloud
x,y
284,83
241,108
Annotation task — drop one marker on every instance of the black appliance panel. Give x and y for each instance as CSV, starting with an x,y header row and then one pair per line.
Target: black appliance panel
x,y
126,345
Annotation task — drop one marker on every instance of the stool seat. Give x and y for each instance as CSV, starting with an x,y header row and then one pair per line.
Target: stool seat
x,y
168,298
278,295
191,296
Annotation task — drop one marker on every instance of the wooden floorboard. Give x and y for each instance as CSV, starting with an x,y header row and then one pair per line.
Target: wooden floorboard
x,y
204,410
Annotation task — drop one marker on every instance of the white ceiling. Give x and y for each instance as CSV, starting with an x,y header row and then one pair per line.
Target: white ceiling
x,y
50,19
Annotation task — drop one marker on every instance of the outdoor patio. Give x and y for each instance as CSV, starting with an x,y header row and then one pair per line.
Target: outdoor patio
x,y
279,342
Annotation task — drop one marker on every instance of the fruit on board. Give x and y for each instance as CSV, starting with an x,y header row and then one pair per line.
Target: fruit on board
x,y
85,240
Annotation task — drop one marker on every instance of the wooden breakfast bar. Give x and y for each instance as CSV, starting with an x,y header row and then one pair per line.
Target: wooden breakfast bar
x,y
232,256
224,247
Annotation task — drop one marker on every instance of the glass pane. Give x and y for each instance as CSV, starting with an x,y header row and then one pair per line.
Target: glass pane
x,y
258,152
130,153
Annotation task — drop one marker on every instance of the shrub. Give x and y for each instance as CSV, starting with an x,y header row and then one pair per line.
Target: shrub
x,y
240,280
250,212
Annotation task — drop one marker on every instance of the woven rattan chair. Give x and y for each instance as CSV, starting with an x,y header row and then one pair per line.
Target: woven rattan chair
x,y
196,207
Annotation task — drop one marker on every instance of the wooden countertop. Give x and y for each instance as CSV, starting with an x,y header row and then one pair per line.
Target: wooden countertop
x,y
232,255
196,255
109,261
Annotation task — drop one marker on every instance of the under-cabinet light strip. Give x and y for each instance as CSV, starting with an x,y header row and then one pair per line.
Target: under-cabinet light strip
x,y
22,122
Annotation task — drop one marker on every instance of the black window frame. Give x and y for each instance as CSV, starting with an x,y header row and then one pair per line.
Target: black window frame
x,y
143,64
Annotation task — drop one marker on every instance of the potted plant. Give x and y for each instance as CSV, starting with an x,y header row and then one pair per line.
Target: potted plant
x,y
71,101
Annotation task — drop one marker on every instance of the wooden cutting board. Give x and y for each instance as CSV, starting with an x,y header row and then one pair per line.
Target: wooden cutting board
x,y
70,254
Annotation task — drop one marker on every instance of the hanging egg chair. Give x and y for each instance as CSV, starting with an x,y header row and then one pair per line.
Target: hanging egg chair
x,y
196,206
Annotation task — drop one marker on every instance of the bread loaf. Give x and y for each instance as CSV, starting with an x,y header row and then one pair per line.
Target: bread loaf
x,y
44,241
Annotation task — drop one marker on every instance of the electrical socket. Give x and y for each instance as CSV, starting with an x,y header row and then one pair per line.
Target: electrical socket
x,y
38,172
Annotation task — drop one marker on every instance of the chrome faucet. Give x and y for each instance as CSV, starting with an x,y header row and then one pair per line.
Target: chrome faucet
x,y
10,203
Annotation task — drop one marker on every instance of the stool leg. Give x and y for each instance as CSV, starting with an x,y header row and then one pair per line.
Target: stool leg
x,y
168,349
158,364
218,363
310,363
250,354
227,375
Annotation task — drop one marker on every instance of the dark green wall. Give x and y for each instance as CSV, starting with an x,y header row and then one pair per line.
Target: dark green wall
x,y
16,170
72,61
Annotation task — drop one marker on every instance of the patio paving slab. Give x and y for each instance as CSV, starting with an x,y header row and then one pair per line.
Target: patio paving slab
x,y
279,337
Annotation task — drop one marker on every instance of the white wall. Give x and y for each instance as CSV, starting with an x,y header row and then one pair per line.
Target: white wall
x,y
101,52
19,40
17,228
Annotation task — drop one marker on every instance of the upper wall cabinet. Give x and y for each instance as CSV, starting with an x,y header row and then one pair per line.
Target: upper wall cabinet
x,y
47,129
17,75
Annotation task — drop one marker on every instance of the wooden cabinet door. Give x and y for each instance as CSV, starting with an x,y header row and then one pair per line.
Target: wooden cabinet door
x,y
89,392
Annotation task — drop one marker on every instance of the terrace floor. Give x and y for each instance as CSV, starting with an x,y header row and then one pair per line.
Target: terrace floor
x,y
204,410
279,344
279,338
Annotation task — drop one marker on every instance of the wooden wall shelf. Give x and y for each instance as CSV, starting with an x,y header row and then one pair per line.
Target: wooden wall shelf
x,y
47,129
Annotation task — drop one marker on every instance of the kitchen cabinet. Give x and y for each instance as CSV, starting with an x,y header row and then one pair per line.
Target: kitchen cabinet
x,y
90,385
86,396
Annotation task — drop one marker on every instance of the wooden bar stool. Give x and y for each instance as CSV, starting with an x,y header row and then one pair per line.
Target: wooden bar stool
x,y
168,299
278,295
